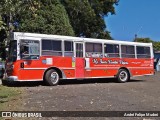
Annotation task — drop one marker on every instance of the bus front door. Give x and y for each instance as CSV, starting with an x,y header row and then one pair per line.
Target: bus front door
x,y
80,62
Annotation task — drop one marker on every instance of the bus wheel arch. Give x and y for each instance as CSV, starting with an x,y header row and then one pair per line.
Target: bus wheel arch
x,y
123,75
51,76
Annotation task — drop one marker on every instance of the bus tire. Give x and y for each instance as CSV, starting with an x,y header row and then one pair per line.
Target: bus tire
x,y
52,77
123,76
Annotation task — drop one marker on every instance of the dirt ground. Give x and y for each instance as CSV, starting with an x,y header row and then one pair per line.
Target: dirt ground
x,y
139,94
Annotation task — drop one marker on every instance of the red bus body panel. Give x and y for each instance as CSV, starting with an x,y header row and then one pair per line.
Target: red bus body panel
x,y
77,67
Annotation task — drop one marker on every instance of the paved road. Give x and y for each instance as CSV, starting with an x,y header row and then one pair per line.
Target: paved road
x,y
140,94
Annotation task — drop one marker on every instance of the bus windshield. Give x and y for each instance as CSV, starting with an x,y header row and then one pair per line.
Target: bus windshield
x,y
29,49
12,51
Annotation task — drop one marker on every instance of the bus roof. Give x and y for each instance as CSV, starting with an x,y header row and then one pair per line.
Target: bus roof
x,y
23,35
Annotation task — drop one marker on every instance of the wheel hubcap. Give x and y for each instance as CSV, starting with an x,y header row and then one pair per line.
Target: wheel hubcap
x,y
123,76
54,77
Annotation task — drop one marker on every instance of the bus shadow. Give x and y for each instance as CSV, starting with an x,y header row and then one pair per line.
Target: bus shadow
x,y
66,82
22,84
86,81
136,80
94,81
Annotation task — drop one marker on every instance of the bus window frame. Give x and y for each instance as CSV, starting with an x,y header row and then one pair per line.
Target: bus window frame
x,y
53,39
150,55
100,53
63,47
128,54
119,50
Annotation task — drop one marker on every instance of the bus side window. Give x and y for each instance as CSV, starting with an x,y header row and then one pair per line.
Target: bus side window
x,y
143,52
68,48
111,50
51,47
127,51
93,50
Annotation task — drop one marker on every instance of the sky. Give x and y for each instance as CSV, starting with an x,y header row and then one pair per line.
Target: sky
x,y
141,17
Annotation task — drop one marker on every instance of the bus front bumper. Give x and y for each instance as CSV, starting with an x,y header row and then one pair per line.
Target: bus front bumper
x,y
10,78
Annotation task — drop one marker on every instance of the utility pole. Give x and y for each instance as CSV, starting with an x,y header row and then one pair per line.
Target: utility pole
x,y
135,39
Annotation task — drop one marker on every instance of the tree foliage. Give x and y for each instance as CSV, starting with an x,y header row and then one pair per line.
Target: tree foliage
x,y
8,12
38,16
86,16
9,9
103,7
156,45
47,17
63,17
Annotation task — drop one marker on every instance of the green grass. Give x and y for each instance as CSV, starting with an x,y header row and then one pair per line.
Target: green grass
x,y
7,94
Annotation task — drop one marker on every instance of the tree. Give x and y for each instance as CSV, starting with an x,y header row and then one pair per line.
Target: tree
x,y
156,45
86,17
3,36
8,11
2,30
38,16
103,7
43,16
143,40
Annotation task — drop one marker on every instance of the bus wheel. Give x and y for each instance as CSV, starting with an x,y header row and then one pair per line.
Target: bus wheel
x,y
123,76
52,77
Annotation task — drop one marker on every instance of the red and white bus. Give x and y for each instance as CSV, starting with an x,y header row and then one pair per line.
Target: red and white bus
x,y
50,58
